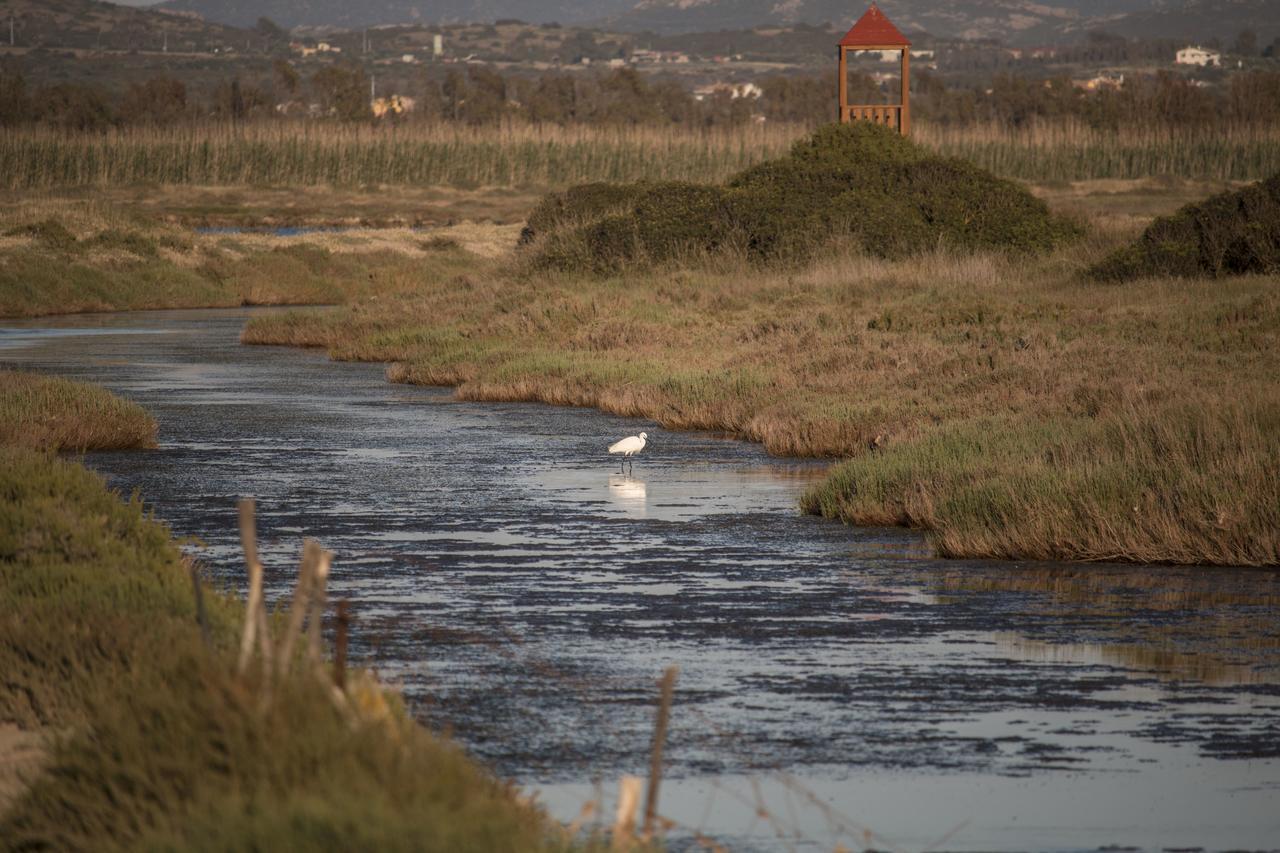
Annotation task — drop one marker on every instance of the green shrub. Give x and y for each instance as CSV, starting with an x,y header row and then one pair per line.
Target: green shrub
x,y
578,204
859,182
1228,234
49,232
969,207
672,219
128,241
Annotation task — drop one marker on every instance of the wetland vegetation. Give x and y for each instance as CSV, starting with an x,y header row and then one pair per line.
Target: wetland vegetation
x,y
160,744
1006,403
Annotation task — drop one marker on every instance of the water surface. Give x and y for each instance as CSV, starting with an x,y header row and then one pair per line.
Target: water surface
x,y
836,685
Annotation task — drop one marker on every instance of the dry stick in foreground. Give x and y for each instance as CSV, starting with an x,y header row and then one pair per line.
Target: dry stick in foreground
x,y
257,630
249,542
668,685
193,568
319,594
301,604
340,645
624,823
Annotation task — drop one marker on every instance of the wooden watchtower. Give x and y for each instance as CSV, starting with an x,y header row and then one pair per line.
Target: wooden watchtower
x,y
875,32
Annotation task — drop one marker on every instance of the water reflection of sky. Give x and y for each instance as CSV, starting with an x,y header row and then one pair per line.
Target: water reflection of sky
x,y
526,594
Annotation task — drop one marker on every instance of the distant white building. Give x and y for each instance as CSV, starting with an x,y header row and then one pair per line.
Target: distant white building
x,y
1198,56
733,90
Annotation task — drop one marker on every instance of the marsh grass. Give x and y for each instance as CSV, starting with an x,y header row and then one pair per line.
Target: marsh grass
x,y
50,413
63,256
1069,150
962,370
164,747
1171,482
306,154
301,154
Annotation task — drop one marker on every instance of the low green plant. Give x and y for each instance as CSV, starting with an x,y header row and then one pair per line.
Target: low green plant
x,y
51,413
50,233
1231,233
860,183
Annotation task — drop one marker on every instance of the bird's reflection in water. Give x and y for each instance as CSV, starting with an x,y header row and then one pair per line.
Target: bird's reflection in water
x,y
629,493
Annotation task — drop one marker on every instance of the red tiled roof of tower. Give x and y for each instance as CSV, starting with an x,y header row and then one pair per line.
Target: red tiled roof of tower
x,y
874,30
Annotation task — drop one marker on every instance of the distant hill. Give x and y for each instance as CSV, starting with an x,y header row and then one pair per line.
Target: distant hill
x,y
89,24
1019,22
346,14
1203,20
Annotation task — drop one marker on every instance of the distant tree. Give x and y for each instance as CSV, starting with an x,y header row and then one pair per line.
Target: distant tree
x,y
286,77
454,93
1254,97
1246,43
268,28
71,106
237,101
487,99
625,98
157,101
15,103
553,98
342,91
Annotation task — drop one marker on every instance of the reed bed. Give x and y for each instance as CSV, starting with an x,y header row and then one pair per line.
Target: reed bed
x,y
307,154
521,155
1069,150
50,413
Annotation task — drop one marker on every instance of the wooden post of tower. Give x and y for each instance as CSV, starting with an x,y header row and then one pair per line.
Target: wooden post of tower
x,y
874,31
904,117
843,84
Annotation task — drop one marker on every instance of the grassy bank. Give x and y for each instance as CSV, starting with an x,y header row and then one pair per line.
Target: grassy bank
x,y
548,156
1007,405
162,745
45,412
65,256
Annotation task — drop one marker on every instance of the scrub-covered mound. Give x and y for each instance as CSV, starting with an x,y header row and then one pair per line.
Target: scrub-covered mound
x,y
1228,234
857,183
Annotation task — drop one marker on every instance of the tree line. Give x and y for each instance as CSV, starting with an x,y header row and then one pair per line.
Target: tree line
x,y
479,95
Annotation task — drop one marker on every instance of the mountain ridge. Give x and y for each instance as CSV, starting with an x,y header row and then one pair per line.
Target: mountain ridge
x,y
1015,22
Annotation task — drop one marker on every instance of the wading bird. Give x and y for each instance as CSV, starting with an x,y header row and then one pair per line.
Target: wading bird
x,y
628,447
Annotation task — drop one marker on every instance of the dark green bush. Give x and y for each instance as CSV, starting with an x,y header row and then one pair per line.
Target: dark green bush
x,y
675,218
129,241
50,232
858,182
1228,234
576,205
969,207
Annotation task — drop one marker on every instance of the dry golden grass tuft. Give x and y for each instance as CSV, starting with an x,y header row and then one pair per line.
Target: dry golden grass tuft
x,y
50,413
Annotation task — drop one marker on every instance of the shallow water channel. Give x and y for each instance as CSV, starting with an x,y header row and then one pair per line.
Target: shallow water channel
x,y
837,685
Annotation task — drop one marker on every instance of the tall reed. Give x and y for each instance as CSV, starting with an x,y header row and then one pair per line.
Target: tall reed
x,y
523,155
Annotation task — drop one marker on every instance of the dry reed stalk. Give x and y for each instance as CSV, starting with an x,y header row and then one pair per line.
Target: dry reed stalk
x,y
301,604
667,686
249,543
630,789
319,593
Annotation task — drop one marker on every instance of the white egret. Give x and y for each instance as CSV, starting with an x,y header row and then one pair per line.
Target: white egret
x,y
629,446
